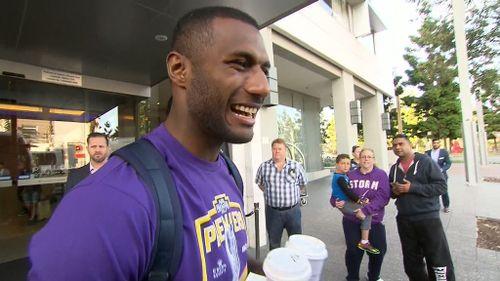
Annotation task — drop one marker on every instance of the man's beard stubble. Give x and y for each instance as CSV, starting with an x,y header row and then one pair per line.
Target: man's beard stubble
x,y
204,105
98,160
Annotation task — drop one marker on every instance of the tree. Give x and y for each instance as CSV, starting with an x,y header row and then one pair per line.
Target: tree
x,y
5,125
484,37
433,65
433,71
393,111
144,121
328,136
289,129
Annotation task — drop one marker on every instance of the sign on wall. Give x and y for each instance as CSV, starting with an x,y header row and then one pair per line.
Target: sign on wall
x,y
61,77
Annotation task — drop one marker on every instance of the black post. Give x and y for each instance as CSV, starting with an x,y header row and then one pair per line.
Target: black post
x,y
257,232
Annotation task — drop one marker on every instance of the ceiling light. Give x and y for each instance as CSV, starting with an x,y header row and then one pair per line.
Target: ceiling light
x,y
66,111
25,108
161,37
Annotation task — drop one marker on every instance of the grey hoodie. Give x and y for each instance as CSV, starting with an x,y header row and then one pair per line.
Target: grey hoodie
x,y
427,184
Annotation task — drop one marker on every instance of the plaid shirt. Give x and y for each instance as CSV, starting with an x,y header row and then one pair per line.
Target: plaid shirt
x,y
281,188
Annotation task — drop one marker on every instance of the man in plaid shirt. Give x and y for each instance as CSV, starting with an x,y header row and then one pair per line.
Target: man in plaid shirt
x,y
281,180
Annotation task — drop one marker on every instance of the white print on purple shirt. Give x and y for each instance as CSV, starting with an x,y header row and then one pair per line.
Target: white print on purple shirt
x,y
220,269
364,184
232,252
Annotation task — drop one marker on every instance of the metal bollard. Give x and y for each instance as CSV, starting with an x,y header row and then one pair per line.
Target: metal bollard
x,y
255,212
257,232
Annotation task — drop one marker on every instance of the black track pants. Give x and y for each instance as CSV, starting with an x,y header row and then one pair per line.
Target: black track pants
x,y
425,239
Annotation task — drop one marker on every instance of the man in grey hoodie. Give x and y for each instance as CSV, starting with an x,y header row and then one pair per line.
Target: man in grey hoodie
x,y
417,183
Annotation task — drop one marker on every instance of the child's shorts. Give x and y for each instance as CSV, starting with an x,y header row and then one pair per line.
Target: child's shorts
x,y
31,194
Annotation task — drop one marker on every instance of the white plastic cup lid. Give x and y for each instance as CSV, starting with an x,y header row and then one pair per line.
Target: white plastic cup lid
x,y
285,264
311,247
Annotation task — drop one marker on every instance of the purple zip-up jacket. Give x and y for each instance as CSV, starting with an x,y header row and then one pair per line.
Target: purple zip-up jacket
x,y
374,186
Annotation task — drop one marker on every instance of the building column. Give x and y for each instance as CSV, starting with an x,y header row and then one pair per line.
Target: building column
x,y
342,95
374,136
249,156
312,134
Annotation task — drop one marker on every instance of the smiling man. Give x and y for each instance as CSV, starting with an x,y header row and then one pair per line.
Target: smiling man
x,y
218,71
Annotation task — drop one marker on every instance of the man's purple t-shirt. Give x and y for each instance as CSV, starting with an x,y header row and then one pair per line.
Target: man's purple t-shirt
x,y
104,228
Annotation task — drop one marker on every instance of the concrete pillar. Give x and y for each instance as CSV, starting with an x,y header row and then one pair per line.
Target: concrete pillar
x,y
374,136
312,139
342,94
468,129
481,133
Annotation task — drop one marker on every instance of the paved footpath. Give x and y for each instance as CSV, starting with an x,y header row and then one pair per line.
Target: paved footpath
x,y
471,263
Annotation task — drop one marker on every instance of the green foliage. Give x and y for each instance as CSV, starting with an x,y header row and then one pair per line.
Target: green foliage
x,y
289,129
398,90
5,125
328,139
144,120
433,71
411,120
483,37
433,68
323,124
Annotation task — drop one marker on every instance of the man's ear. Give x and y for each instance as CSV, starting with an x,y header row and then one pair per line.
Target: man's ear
x,y
177,67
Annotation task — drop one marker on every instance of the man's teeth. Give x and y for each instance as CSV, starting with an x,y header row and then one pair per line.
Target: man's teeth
x,y
249,111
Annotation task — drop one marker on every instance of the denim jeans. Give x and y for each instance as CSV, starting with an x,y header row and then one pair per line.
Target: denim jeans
x,y
277,220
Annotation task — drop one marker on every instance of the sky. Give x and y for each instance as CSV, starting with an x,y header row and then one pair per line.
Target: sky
x,y
398,16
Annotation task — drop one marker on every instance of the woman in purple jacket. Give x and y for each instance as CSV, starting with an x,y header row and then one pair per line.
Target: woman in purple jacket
x,y
374,184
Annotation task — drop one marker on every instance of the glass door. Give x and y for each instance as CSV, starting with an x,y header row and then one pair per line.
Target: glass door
x,y
43,131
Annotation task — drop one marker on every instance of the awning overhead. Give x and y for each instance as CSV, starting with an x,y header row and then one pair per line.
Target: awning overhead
x,y
29,99
107,38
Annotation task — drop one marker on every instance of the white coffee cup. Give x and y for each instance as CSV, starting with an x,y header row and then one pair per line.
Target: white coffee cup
x,y
286,264
314,250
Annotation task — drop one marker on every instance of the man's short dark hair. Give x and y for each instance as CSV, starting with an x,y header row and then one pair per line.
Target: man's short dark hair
x,y
354,148
98,135
434,139
340,157
193,31
401,136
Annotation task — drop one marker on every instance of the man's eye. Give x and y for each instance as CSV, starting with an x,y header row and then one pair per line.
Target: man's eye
x,y
241,64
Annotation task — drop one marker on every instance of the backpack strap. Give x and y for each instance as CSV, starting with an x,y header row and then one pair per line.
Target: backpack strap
x,y
234,172
153,170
